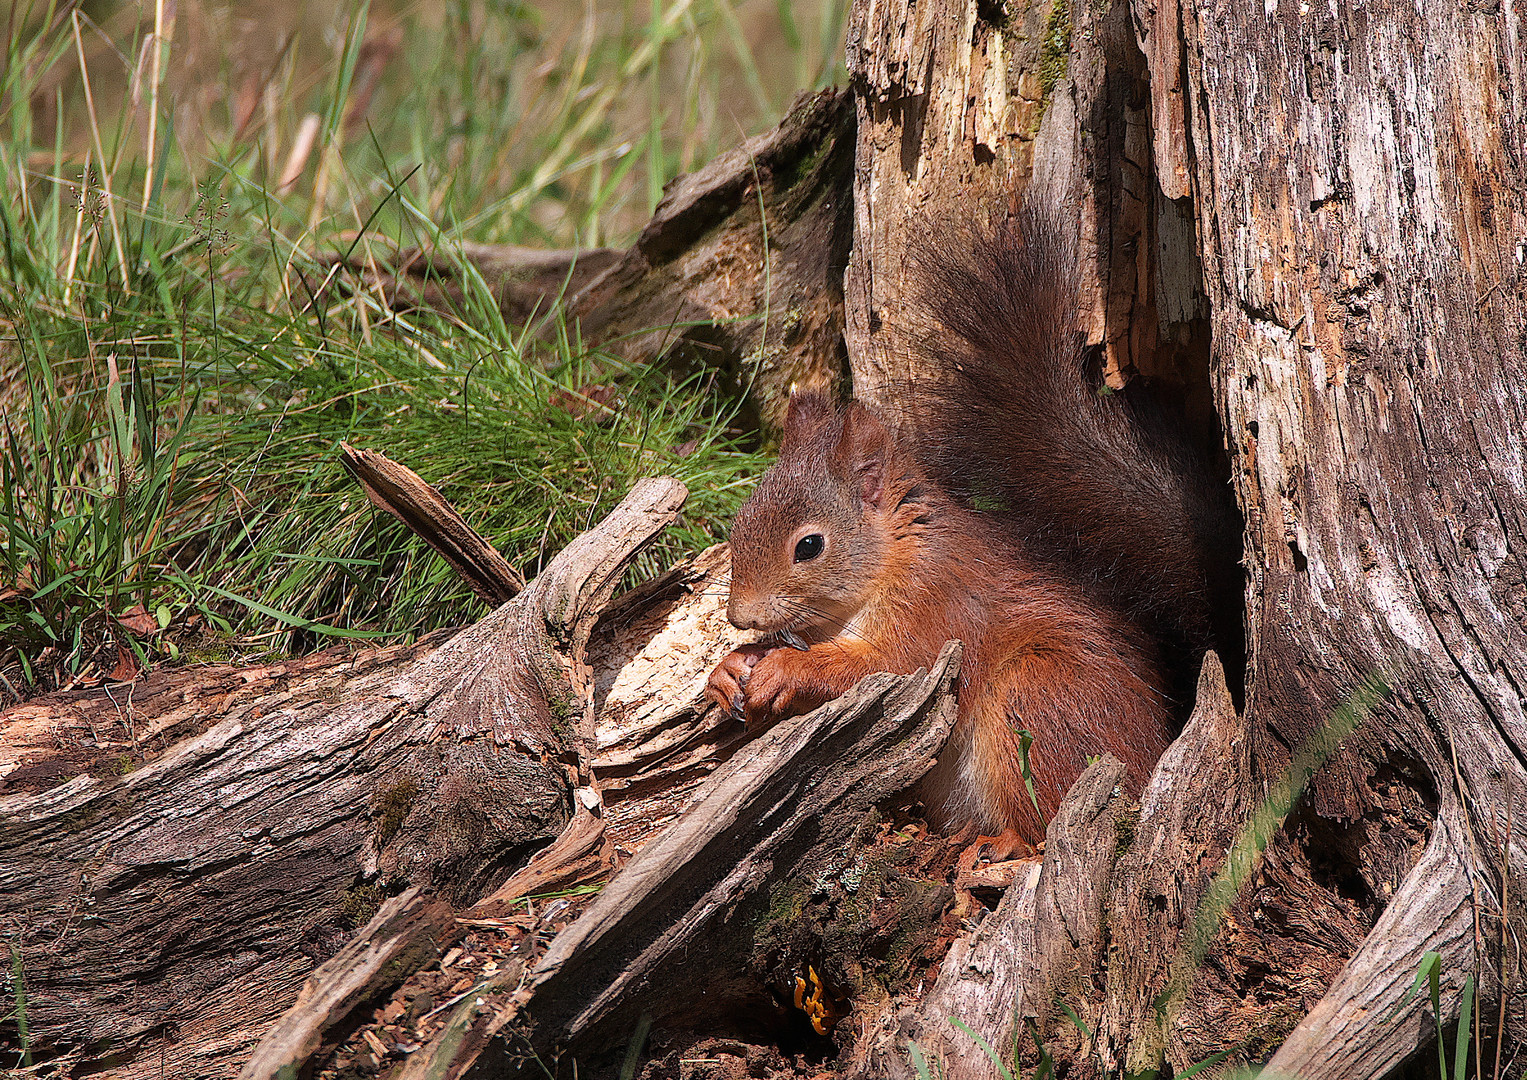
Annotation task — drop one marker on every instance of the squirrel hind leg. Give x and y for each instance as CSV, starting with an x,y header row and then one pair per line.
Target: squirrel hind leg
x,y
1076,704
970,784
950,797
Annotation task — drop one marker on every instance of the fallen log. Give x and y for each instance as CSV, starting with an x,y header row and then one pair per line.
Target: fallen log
x,y
669,938
168,909
738,272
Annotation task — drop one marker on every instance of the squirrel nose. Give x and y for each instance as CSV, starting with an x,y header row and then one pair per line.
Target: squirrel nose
x,y
745,616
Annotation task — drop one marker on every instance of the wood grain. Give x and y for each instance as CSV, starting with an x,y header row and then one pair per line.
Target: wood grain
x,y
404,494
170,912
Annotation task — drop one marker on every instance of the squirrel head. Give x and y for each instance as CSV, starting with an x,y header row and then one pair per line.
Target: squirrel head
x,y
809,546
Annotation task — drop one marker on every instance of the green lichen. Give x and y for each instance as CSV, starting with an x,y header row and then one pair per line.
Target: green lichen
x,y
559,708
916,932
392,805
787,901
358,904
1124,831
1055,51
863,882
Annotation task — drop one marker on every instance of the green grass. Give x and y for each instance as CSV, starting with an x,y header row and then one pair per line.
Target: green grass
x,y
18,1015
175,382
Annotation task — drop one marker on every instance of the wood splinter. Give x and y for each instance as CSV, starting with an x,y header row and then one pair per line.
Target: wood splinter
x,y
405,495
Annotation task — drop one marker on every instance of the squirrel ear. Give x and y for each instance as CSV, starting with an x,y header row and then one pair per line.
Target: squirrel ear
x,y
807,414
863,451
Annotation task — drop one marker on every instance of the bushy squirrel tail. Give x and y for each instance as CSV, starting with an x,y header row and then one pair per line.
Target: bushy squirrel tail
x,y
1106,488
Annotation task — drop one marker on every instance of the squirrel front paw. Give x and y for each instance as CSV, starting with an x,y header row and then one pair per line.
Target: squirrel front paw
x,y
727,682
779,685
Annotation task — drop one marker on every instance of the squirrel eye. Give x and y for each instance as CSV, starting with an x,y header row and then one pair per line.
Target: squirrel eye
x,y
808,547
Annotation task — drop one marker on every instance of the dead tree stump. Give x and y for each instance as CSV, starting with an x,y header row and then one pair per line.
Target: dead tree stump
x,y
1309,223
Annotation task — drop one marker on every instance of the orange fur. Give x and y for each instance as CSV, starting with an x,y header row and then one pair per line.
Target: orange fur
x,y
1077,545
1039,656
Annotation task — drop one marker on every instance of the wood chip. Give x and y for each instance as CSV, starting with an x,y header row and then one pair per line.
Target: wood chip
x,y
377,1046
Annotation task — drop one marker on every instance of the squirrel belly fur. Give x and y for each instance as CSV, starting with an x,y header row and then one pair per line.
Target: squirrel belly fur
x,y
1074,541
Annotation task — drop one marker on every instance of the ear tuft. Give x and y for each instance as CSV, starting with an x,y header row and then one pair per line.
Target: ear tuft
x,y
809,412
864,451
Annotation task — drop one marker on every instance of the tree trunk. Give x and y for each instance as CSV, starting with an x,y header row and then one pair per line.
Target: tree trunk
x,y
1309,222
1343,195
1364,273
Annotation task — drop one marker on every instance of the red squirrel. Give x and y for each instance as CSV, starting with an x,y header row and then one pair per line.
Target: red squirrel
x,y
1074,541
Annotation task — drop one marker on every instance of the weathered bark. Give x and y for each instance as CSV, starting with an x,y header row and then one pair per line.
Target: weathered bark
x,y
172,905
965,109
405,927
681,913
1357,186
405,495
685,913
1362,245
1040,947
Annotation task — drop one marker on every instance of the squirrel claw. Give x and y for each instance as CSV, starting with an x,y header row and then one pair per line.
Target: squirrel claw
x,y
727,685
794,640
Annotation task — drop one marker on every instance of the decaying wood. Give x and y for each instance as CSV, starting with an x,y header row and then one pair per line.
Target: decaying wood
x,y
1097,934
171,910
739,270
683,912
112,730
405,495
1084,912
1162,877
1039,948
581,854
526,282
1282,182
966,108
978,983
1068,942
1362,246
657,737
681,915
406,932
1163,1002
1339,1035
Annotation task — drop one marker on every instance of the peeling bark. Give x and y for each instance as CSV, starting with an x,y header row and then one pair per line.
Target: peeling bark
x,y
175,908
1314,216
770,824
1362,254
405,932
405,495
